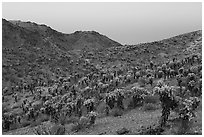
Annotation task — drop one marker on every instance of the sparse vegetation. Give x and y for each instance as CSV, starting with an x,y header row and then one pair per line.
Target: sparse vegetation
x,y
57,81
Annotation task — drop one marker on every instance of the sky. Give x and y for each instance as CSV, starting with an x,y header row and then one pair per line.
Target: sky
x,y
125,22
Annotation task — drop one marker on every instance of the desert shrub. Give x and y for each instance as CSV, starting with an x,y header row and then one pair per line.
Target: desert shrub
x,y
149,107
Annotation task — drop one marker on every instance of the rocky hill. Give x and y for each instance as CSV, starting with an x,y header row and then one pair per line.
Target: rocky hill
x,y
75,41
29,48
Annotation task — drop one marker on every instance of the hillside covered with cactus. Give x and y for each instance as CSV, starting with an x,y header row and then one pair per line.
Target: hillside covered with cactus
x,y
86,83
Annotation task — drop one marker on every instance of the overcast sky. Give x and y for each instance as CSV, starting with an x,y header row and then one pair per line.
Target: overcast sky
x,y
126,23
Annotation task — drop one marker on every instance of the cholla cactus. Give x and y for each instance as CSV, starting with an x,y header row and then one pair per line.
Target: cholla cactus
x,y
88,101
155,91
191,76
92,113
160,83
187,108
92,117
191,83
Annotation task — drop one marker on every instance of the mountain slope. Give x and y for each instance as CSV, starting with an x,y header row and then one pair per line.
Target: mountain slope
x,y
24,52
77,40
157,51
29,49
27,55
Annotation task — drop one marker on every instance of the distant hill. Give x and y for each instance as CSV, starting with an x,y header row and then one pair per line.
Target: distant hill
x,y
75,41
28,48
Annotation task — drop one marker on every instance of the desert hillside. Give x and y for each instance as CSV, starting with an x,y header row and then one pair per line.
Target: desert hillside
x,y
86,83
